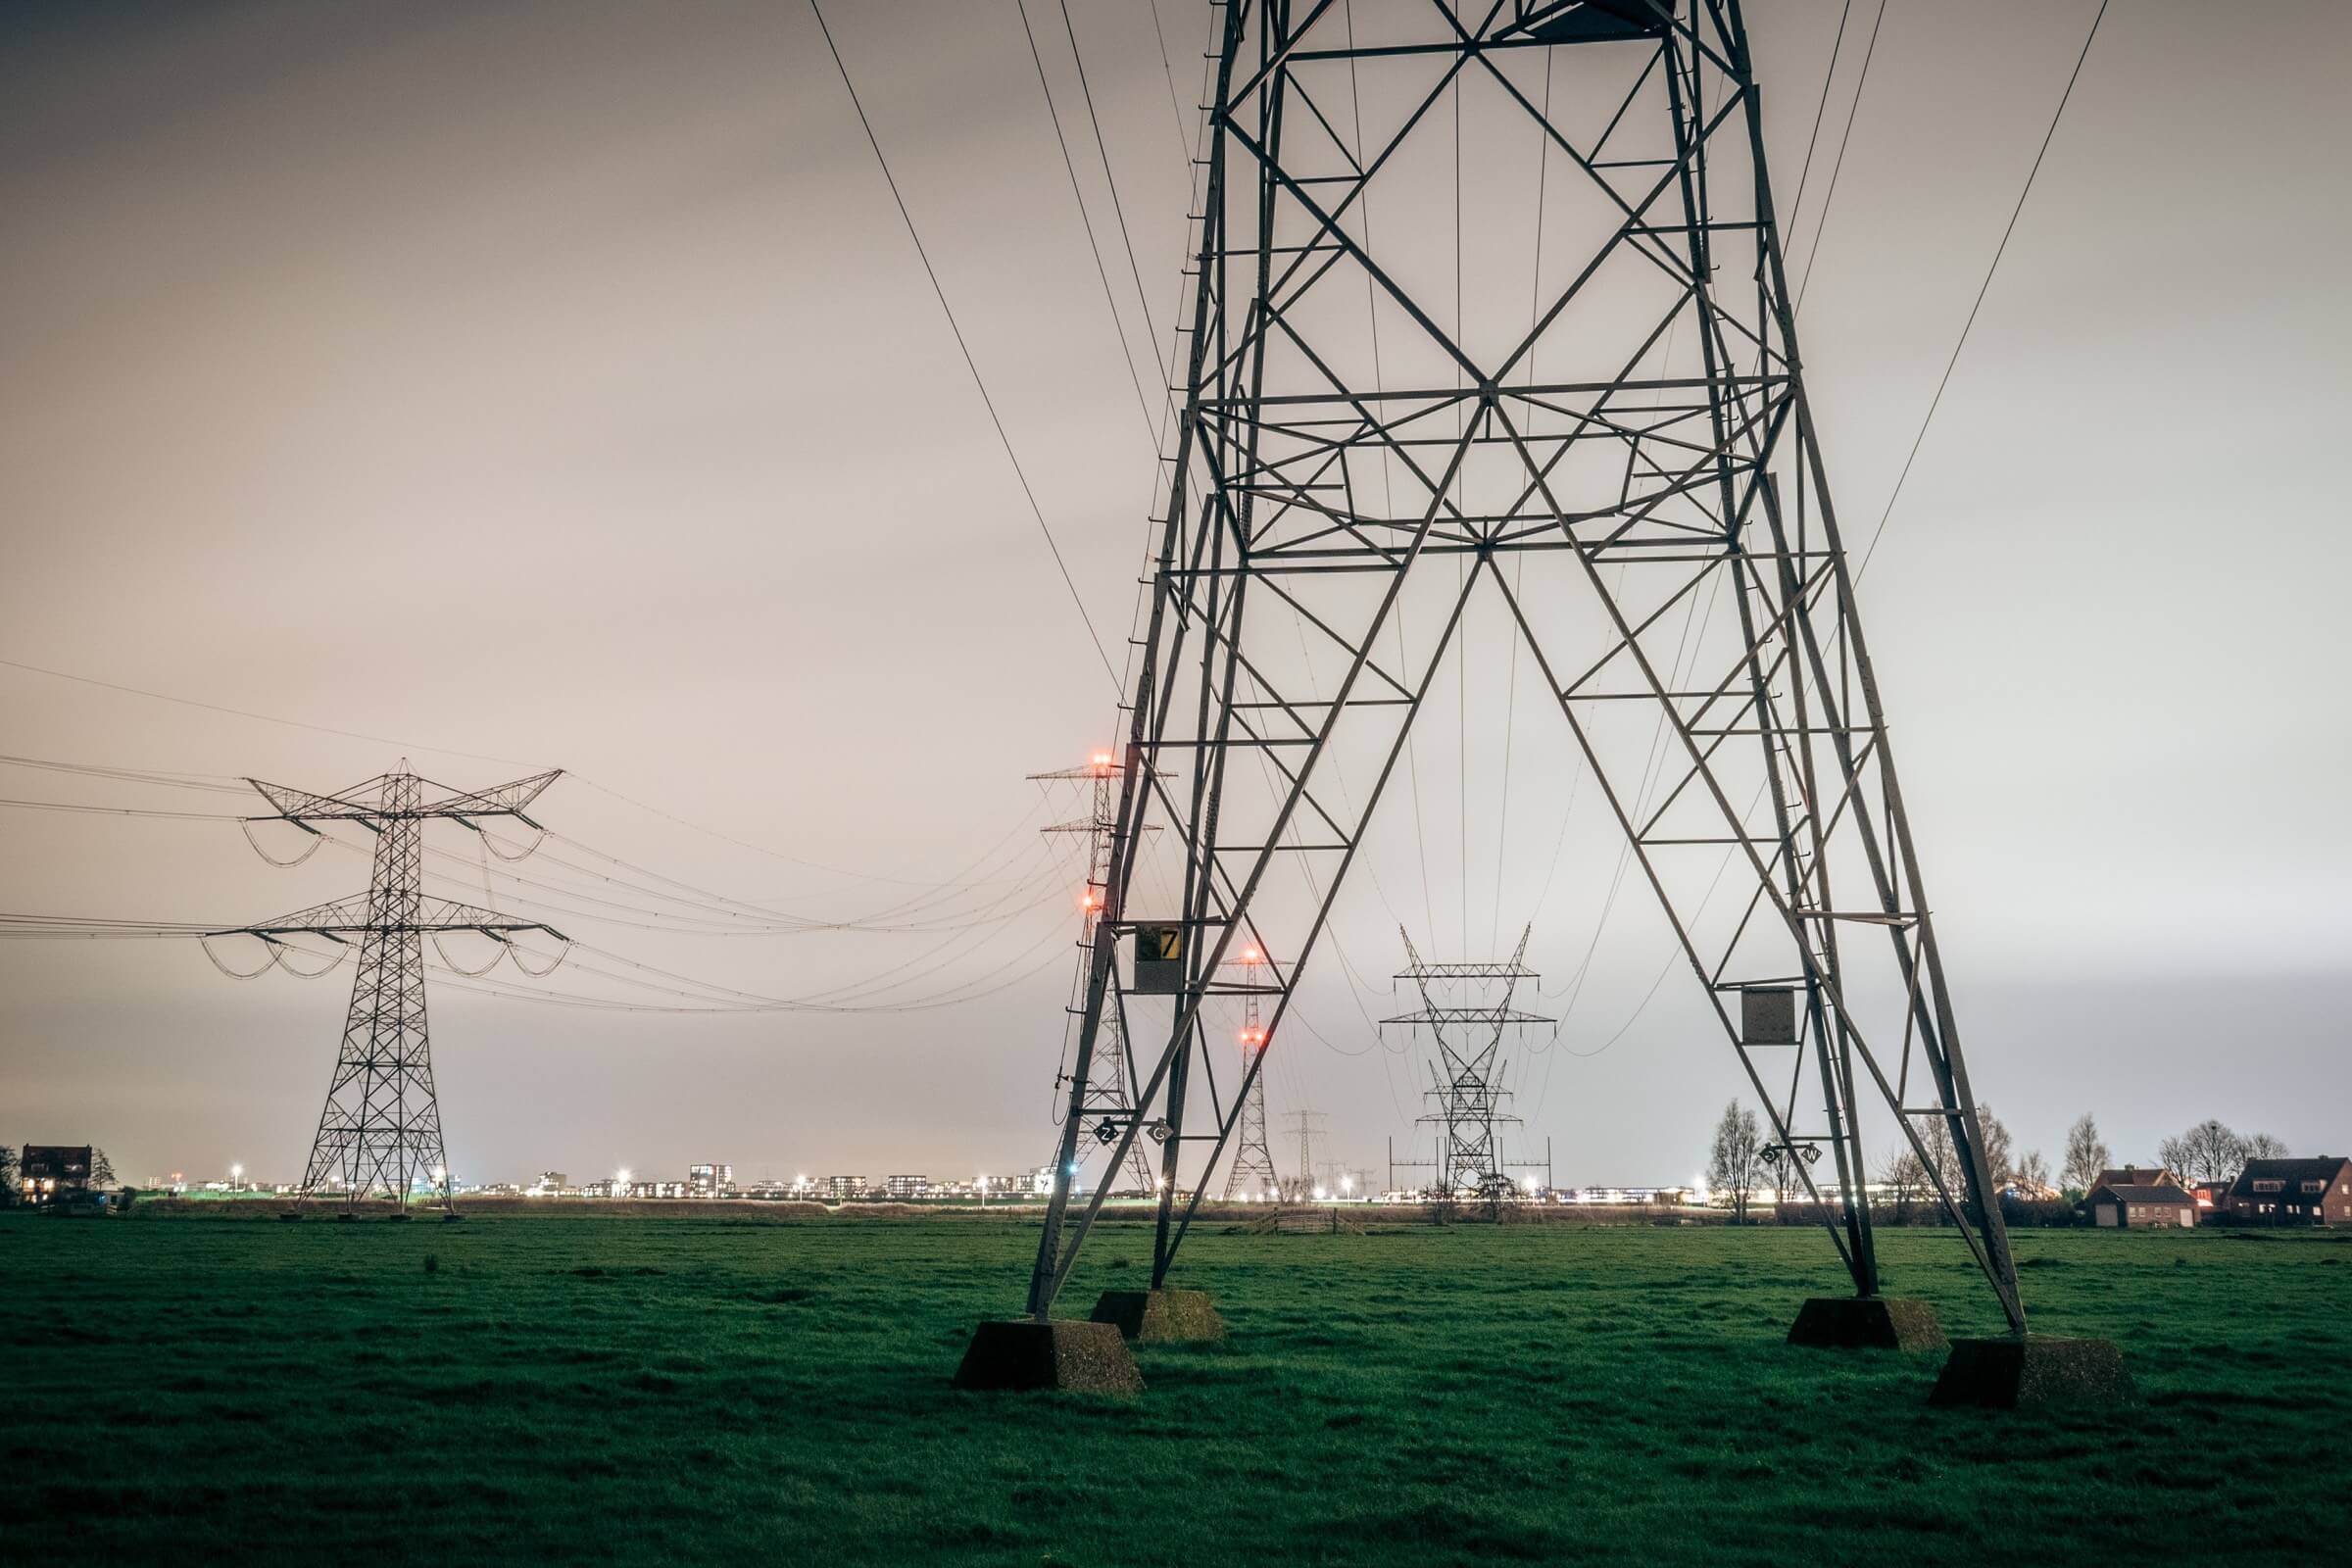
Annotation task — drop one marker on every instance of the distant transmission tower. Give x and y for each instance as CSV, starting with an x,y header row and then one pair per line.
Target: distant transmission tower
x,y
1309,1123
381,1128
1604,437
1252,1156
1109,1099
1466,1007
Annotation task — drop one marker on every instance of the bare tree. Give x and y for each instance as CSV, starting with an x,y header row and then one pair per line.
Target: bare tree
x,y
8,1175
2175,1155
2000,1149
1943,1157
102,1169
2034,1171
1734,1161
1906,1180
2211,1152
2262,1145
2085,1155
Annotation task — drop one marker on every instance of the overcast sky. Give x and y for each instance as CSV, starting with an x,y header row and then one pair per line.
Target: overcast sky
x,y
555,385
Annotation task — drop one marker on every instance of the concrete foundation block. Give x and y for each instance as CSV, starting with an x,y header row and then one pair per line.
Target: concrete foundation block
x,y
1160,1316
2011,1373
1867,1323
1067,1355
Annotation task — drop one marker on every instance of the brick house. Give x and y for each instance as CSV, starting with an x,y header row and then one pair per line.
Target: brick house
x,y
2293,1192
49,1172
2213,1197
2141,1206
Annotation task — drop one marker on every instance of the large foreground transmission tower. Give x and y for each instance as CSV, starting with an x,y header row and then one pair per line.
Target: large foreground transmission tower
x,y
381,1128
1578,407
1467,1010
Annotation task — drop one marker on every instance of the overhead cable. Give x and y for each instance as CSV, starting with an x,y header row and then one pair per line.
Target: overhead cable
x,y
1998,252
1077,600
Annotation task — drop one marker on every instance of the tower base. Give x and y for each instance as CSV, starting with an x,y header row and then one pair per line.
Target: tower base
x,y
1867,1323
1025,1354
1160,1316
2009,1373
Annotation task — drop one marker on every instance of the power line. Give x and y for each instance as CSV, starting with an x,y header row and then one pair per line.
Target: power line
x,y
972,364
1852,114
1142,298
1143,401
1999,251
265,718
122,811
218,783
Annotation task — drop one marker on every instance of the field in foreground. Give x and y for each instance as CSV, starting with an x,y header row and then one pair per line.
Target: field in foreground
x,y
634,1390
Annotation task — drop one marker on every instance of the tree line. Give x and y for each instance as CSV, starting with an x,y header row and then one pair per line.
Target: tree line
x,y
1742,1161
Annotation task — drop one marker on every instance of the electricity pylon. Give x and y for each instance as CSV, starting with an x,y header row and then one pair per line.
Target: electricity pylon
x,y
1110,1091
381,1128
1252,1156
1466,1007
1625,473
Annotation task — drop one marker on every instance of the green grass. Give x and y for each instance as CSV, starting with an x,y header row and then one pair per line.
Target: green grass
x,y
211,1389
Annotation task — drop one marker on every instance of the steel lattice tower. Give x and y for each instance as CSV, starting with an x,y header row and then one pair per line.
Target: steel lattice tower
x,y
1469,1106
1623,469
1252,1156
1109,1093
382,1127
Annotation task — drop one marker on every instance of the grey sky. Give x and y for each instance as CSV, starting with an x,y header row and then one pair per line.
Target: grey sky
x,y
556,384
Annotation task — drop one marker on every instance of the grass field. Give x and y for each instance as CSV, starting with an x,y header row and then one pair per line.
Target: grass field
x,y
192,1390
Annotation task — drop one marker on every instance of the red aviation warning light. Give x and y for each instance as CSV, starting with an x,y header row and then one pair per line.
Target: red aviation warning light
x,y
1255,1038
1101,761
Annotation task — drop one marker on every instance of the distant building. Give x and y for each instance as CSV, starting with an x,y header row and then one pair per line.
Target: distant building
x,y
710,1181
2137,1176
2285,1191
657,1190
904,1187
2212,1197
841,1189
553,1181
2141,1206
48,1172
